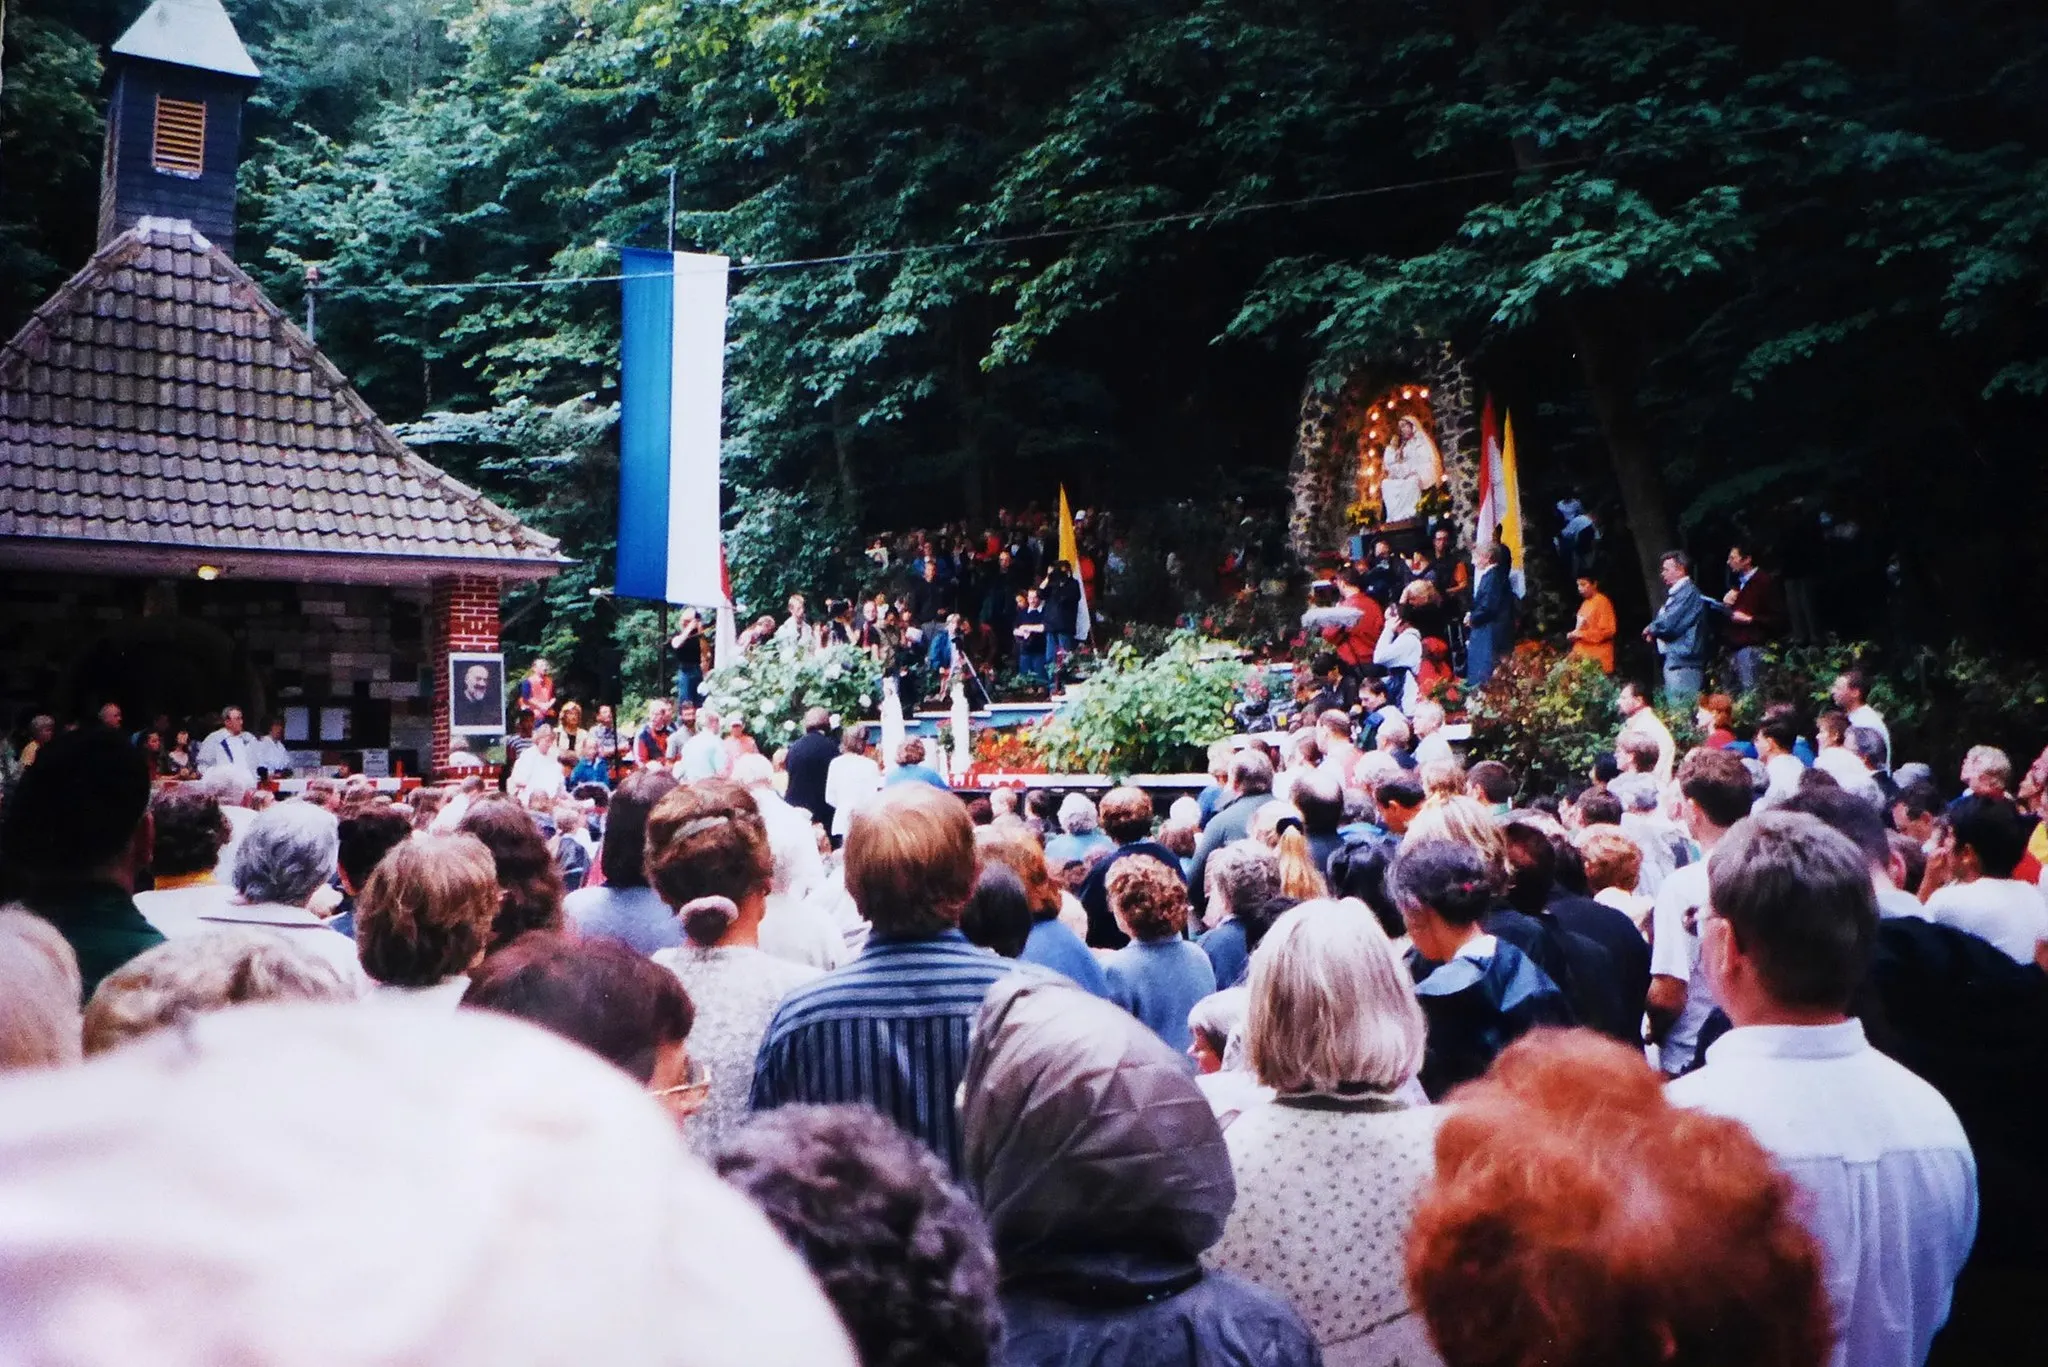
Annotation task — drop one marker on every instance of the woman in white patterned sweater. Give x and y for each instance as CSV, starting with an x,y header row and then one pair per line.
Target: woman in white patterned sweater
x,y
708,858
1329,1172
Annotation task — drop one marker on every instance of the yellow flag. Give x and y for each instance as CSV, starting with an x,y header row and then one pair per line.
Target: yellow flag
x,y
1511,489
1070,551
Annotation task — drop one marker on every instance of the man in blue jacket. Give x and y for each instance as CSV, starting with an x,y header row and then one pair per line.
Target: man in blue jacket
x,y
1492,619
1681,631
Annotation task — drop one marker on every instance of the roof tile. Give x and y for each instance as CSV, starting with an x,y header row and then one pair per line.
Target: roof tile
x,y
159,396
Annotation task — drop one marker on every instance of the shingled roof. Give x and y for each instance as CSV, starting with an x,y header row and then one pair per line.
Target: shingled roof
x,y
158,410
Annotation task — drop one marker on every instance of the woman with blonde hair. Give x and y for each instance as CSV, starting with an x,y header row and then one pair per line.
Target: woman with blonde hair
x,y
1461,819
569,734
1279,827
1328,1175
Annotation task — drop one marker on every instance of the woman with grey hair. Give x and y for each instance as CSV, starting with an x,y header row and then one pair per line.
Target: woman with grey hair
x,y
1080,838
1242,877
1216,1026
1329,1173
231,786
286,855
194,974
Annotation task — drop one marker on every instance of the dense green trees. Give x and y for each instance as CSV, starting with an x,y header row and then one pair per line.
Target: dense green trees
x,y
1716,256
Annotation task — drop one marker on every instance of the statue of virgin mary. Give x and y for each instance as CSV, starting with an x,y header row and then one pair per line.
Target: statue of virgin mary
x,y
1411,464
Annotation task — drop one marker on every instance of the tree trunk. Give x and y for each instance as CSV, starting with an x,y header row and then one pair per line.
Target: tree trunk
x,y
967,388
1604,360
1610,382
842,458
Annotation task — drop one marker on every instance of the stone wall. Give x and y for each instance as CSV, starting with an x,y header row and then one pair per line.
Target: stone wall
x,y
186,647
1457,436
1320,474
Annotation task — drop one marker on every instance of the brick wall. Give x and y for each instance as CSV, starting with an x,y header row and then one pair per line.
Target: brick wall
x,y
465,616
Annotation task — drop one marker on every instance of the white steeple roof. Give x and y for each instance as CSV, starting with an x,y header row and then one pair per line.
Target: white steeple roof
x,y
194,33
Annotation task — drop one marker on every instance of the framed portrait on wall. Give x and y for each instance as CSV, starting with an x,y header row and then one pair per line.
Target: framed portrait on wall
x,y
476,694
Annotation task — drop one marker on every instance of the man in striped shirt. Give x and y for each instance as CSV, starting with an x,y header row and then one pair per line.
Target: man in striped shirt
x,y
890,1029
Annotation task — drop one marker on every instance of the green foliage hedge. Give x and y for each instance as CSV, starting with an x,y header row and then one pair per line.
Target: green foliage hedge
x,y
1546,715
1155,714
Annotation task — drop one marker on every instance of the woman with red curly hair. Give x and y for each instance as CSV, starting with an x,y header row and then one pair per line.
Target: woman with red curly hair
x,y
1578,1219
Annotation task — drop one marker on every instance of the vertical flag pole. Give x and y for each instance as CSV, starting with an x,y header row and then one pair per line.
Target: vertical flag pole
x,y
661,644
1511,501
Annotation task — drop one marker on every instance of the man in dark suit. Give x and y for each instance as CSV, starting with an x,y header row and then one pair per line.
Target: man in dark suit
x,y
810,755
1755,608
1250,787
1492,619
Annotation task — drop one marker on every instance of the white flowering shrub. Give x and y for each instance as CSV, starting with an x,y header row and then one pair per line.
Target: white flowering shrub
x,y
773,685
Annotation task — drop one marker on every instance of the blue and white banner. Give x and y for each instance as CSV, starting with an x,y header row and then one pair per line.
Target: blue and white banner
x,y
671,383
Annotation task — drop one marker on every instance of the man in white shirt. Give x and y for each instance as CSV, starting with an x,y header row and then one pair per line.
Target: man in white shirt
x,y
1716,791
1775,737
796,628
1636,754
851,780
538,771
1839,760
1400,647
268,753
1969,883
1889,1181
1863,825
1848,694
1340,753
704,754
1430,744
229,745
1641,719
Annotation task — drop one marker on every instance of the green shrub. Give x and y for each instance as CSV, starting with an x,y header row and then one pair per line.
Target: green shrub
x,y
1546,715
772,686
1155,714
1937,705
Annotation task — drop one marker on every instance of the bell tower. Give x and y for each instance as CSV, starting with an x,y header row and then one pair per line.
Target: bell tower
x,y
174,122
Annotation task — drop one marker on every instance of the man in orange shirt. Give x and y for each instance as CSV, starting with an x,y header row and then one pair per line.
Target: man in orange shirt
x,y
1593,636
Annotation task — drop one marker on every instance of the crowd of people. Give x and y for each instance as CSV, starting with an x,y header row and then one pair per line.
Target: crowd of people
x,y
1726,1056
1434,617
170,749
1003,601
